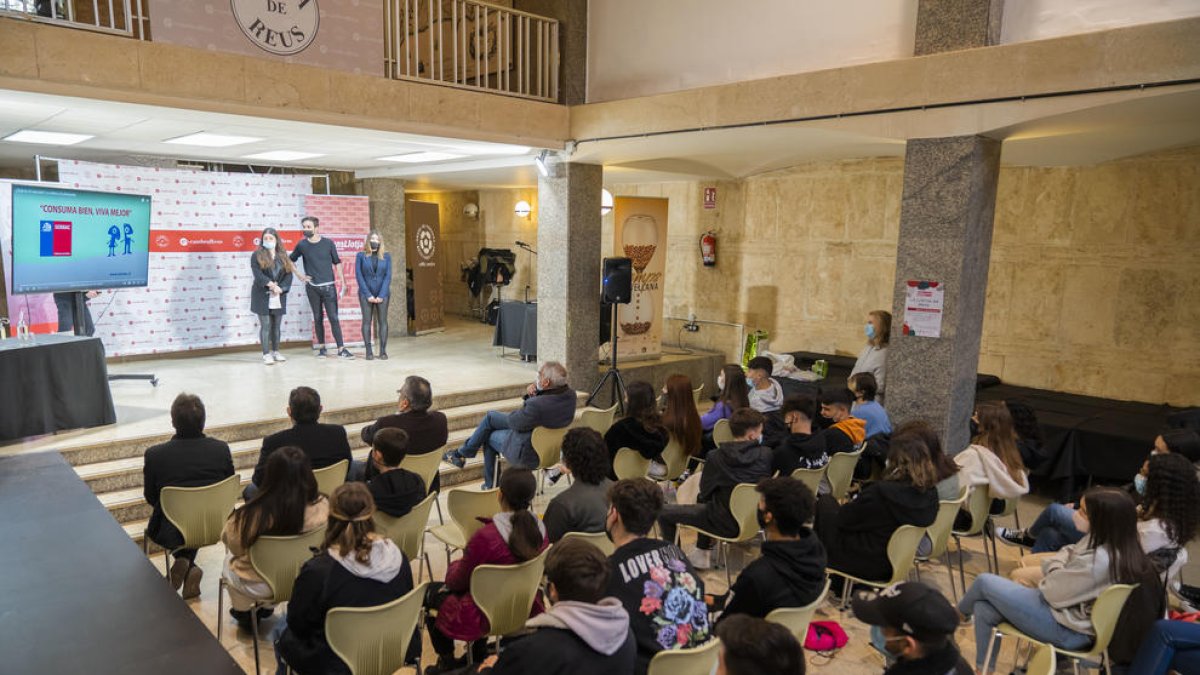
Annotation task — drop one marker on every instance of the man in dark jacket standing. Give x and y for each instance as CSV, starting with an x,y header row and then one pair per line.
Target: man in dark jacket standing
x,y
549,402
189,459
325,444
742,460
427,430
396,491
791,571
916,626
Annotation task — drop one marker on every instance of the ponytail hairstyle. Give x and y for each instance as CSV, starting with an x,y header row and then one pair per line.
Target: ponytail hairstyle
x,y
263,257
351,529
996,433
1112,519
517,487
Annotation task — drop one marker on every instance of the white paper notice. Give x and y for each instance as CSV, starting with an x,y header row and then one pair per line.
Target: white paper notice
x,y
923,304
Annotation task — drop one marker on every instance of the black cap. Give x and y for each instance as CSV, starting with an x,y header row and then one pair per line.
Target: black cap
x,y
911,608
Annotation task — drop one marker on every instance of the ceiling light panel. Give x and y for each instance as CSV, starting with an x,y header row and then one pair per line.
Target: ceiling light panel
x,y
207,140
284,156
47,137
418,157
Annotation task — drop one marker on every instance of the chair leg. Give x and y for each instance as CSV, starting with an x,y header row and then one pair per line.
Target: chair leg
x,y
254,629
989,662
962,577
438,504
220,606
950,574
167,564
728,574
1017,522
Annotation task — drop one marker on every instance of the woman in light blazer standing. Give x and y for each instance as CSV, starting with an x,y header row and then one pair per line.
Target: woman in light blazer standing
x,y
272,272
373,269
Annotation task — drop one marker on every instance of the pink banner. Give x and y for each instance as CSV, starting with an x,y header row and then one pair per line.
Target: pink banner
x,y
346,221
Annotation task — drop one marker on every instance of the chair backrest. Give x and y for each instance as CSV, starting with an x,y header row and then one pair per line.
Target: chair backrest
x,y
278,560
695,661
810,477
199,513
721,432
1043,662
629,463
743,504
1105,613
696,393
939,532
840,471
594,418
328,478
675,458
547,443
902,550
978,504
425,465
505,593
1010,507
374,640
598,539
467,506
796,619
408,530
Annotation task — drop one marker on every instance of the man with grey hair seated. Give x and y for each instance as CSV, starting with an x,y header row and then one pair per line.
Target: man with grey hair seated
x,y
549,402
426,429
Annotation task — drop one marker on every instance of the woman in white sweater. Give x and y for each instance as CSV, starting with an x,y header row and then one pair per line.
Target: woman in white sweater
x,y
992,459
1059,610
873,357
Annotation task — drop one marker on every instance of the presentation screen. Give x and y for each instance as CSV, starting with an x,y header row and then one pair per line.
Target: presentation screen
x,y
77,240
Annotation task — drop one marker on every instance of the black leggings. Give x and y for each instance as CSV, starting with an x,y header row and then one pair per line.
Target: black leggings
x,y
268,330
374,314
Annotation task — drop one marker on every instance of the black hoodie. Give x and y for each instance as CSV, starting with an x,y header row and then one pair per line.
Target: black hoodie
x,y
856,535
397,491
789,574
799,451
730,464
628,432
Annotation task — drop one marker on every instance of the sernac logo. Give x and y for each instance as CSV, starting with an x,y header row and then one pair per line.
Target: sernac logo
x,y
282,27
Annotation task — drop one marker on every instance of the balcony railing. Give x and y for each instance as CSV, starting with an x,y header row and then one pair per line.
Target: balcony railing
x,y
475,45
123,17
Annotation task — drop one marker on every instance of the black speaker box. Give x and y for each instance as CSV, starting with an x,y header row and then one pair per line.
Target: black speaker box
x,y
617,283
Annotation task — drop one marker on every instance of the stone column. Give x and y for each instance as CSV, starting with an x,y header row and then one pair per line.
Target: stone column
x,y
951,25
387,216
569,270
946,236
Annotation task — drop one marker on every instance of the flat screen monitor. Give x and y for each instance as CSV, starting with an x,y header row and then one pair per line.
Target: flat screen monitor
x,y
78,240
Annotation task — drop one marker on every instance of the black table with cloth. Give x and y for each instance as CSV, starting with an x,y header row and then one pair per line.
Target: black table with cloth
x,y
52,383
79,596
516,328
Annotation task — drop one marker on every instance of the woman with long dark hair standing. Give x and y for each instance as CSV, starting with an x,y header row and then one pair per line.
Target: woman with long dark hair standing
x,y
272,272
373,269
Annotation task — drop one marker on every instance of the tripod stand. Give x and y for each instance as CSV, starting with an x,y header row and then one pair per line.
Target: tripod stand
x,y
613,374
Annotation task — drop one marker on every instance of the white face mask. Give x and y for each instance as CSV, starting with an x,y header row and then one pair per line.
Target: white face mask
x,y
269,245
721,382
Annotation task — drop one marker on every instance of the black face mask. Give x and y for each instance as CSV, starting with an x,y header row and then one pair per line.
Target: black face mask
x,y
374,246
973,428
762,519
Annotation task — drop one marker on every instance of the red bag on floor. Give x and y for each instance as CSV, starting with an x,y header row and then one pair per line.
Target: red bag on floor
x,y
825,637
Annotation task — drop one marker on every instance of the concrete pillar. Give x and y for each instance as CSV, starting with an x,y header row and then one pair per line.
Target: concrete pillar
x,y
387,216
946,236
951,25
569,270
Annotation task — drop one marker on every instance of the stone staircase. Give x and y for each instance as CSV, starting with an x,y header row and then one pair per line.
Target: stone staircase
x,y
113,470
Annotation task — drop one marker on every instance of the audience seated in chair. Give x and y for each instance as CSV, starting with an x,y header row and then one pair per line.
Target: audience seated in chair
x,y
734,394
992,459
845,432
583,506
948,487
681,418
287,504
913,626
865,407
394,490
325,444
766,395
791,570
1169,646
355,568
549,402
652,578
800,448
641,428
189,459
753,646
426,429
514,535
742,460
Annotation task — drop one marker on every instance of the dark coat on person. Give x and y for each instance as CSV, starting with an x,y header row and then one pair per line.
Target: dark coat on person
x,y
180,462
427,431
260,295
396,492
730,464
550,649
799,451
789,574
1146,604
579,508
629,433
325,444
374,276
552,408
856,535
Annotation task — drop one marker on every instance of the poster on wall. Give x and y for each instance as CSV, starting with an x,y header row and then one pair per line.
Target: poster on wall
x,y
346,221
424,238
640,233
923,305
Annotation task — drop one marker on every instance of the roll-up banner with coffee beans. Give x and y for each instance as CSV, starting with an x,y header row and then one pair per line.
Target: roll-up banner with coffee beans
x,y
640,233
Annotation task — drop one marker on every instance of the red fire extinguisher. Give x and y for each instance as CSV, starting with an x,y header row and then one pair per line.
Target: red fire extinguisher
x,y
708,248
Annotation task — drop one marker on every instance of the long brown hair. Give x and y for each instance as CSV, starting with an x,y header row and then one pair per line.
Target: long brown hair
x,y
642,405
996,433
351,529
1112,524
264,258
923,431
681,417
517,488
908,460
278,509
735,394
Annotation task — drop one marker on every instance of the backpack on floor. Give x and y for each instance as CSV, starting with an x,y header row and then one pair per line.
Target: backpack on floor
x,y
825,637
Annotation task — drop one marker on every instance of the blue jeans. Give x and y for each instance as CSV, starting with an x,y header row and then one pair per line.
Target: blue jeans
x,y
1054,529
1169,645
993,600
276,633
490,435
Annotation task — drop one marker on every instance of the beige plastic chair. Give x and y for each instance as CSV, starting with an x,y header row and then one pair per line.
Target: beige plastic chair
x,y
408,531
978,503
374,640
697,393
810,477
466,507
902,554
1044,661
598,419
1105,612
547,443
629,463
505,594
426,466
796,619
721,432
939,536
330,477
675,459
199,513
278,561
840,472
743,504
695,661
598,539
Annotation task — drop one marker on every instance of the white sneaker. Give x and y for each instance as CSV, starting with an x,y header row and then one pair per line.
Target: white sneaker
x,y
701,559
279,358
267,360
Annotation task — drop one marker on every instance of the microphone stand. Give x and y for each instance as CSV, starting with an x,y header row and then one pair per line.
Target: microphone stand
x,y
528,267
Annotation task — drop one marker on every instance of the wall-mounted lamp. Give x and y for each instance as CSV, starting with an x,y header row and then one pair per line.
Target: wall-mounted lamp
x,y
606,202
540,161
522,209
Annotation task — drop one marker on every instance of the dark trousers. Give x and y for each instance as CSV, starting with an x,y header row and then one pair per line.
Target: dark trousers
x,y
65,304
170,538
674,515
268,330
323,300
374,314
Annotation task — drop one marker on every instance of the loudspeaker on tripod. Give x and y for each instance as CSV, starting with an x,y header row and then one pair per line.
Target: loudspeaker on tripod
x,y
617,282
